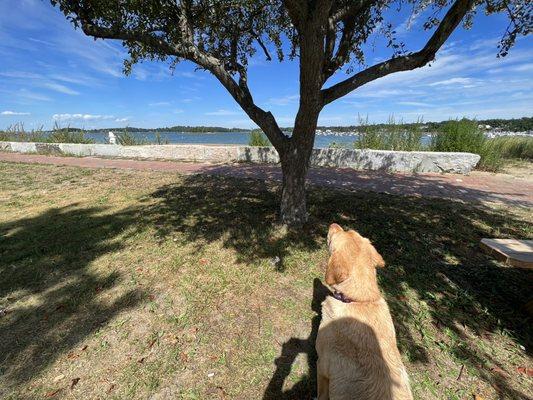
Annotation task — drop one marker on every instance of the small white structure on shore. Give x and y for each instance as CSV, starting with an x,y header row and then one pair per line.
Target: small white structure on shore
x,y
112,138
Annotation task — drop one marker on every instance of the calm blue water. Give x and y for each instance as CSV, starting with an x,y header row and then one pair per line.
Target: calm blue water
x,y
239,138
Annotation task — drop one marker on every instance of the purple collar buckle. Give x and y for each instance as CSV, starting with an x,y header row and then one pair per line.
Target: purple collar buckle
x,y
341,297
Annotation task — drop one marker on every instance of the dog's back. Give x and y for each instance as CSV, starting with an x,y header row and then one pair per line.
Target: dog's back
x,y
357,351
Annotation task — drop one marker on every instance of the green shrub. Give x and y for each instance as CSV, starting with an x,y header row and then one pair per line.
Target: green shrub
x,y
258,138
336,145
396,136
465,136
513,146
459,135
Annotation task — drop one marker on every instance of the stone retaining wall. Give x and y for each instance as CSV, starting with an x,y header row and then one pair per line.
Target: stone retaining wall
x,y
376,160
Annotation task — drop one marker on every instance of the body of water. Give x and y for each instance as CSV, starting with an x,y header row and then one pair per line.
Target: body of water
x,y
227,138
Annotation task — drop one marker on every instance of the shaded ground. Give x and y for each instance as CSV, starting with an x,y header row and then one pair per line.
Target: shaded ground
x,y
514,186
138,284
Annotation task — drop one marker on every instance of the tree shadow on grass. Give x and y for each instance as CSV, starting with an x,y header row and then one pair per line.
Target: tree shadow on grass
x,y
430,246
241,213
47,257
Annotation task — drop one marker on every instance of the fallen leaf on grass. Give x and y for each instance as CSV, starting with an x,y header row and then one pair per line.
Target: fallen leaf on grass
x,y
74,382
525,371
204,261
110,388
172,339
478,397
58,378
498,370
52,394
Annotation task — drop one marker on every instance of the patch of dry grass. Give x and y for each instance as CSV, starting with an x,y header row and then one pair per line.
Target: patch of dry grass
x,y
122,284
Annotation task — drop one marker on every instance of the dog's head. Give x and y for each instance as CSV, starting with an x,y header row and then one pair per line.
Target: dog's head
x,y
351,256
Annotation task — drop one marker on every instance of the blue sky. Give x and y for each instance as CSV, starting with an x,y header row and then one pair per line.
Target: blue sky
x,y
50,72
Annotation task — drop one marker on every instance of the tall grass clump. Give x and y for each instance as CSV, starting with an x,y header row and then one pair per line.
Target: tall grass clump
x,y
464,135
396,136
159,139
126,138
519,147
66,135
17,133
258,138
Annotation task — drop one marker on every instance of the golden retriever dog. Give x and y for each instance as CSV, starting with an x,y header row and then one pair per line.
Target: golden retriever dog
x,y
356,344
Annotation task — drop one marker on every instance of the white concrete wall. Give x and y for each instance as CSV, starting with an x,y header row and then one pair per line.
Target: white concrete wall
x,y
376,160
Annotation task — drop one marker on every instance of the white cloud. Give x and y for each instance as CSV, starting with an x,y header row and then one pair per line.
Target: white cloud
x,y
60,88
528,67
378,94
187,74
190,99
82,117
283,101
452,81
7,112
223,112
25,94
179,111
125,119
414,103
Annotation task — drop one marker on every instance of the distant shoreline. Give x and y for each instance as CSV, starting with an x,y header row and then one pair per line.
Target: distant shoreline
x,y
524,124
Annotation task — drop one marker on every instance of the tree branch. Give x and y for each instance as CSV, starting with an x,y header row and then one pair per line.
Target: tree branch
x,y
350,21
239,91
262,45
403,63
297,10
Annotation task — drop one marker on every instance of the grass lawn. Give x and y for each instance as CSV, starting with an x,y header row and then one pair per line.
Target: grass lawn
x,y
128,284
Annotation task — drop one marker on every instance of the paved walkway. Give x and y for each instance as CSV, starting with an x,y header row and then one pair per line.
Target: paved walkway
x,y
476,187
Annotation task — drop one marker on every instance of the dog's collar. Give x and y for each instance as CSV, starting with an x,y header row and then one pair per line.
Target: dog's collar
x,y
341,297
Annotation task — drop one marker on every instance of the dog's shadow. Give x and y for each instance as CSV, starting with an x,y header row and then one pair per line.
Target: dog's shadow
x,y
306,387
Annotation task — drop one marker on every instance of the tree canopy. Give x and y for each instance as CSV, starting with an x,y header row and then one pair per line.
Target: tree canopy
x,y
221,36
326,36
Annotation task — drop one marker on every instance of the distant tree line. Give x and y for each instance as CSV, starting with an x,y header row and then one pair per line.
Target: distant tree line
x,y
512,125
177,128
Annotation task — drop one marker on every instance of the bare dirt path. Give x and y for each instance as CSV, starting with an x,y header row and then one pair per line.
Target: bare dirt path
x,y
476,187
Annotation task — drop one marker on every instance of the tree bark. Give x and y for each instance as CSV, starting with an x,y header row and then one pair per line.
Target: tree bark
x,y
294,166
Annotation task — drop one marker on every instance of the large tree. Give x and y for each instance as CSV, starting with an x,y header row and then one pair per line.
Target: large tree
x,y
326,36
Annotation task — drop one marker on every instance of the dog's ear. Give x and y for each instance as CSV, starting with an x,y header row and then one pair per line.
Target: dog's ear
x,y
376,258
337,270
333,228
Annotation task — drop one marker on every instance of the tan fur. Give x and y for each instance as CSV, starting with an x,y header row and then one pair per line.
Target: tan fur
x,y
356,344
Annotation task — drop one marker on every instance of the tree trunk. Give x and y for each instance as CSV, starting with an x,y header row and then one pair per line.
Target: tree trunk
x,y
295,161
293,206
